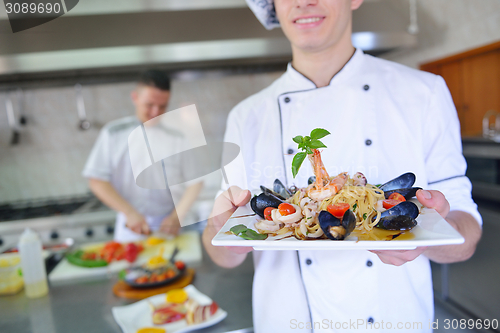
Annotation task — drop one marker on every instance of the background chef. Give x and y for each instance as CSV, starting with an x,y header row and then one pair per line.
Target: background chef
x,y
110,174
385,119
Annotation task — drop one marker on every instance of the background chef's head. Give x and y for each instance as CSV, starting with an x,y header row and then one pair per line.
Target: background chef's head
x,y
309,25
151,95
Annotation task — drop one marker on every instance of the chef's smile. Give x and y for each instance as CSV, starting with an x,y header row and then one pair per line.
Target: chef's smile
x,y
308,22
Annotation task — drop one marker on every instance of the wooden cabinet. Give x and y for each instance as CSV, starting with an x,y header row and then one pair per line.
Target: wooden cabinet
x,y
473,78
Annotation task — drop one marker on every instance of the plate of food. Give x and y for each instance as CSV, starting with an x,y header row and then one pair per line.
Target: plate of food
x,y
156,272
179,310
339,212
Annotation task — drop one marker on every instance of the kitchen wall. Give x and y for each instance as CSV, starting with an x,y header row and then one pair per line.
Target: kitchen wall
x,y
449,27
52,151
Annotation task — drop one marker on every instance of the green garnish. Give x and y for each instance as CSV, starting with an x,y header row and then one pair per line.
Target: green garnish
x,y
245,233
364,216
307,144
354,206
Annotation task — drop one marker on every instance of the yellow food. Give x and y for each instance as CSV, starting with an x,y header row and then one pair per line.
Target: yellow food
x,y
157,261
177,296
154,241
151,330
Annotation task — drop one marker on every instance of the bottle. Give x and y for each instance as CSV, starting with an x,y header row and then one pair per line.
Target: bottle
x,y
32,264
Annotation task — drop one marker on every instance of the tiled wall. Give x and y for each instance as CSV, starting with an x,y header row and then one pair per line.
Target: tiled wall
x,y
52,151
448,27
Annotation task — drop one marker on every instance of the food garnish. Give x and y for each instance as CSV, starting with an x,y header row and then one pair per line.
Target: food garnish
x,y
308,144
245,233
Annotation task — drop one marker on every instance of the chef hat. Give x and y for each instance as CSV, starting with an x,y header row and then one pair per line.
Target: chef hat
x,y
265,12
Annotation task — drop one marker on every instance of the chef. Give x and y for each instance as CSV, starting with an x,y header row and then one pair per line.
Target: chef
x,y
109,170
385,119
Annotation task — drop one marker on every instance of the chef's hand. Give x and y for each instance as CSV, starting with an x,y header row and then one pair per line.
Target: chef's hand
x,y
430,199
170,224
224,207
137,223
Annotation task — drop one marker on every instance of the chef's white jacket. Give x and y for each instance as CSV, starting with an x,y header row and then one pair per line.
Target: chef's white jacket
x,y
109,160
385,119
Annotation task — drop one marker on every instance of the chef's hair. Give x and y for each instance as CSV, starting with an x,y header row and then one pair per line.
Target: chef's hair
x,y
154,78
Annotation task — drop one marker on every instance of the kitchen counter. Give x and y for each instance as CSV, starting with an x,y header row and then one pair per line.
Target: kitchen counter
x,y
85,305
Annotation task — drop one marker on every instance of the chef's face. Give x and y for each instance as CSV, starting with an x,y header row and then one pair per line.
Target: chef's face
x,y
315,25
150,102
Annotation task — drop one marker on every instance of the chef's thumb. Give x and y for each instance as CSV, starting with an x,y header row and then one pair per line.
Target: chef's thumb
x,y
435,200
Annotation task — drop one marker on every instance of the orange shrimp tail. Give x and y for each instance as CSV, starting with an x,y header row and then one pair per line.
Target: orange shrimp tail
x,y
319,170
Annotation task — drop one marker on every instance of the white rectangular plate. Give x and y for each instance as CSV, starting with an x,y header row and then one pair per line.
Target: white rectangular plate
x,y
137,315
432,230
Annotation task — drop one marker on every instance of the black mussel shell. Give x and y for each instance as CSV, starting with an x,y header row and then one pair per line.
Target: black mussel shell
x,y
311,180
262,201
334,228
397,222
406,180
408,193
272,193
400,217
279,188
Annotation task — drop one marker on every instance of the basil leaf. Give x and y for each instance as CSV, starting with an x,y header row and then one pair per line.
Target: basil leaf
x,y
298,139
309,151
315,144
364,216
354,207
252,235
297,162
319,133
238,229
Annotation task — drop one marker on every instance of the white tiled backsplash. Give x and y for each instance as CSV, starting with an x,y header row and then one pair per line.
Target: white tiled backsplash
x,y
52,151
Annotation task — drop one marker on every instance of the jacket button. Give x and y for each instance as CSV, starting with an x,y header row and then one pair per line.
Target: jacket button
x,y
369,263
309,261
287,99
290,151
366,87
370,320
368,142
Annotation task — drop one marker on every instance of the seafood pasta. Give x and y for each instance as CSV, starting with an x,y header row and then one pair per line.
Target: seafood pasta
x,y
333,207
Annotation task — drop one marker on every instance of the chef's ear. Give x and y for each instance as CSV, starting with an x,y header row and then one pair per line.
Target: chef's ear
x,y
355,4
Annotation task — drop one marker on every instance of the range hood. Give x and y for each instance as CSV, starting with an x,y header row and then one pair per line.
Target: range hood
x,y
107,35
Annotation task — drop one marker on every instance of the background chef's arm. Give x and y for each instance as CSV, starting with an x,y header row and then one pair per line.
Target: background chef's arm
x,y
187,200
107,194
468,227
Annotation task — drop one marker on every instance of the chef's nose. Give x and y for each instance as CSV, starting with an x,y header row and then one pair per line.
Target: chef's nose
x,y
305,3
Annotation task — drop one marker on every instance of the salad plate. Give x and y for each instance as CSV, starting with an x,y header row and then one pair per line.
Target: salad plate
x,y
431,230
138,315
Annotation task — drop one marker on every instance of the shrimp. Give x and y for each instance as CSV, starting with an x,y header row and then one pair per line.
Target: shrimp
x,y
324,187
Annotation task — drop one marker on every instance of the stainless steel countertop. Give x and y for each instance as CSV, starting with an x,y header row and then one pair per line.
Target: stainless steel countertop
x,y
85,305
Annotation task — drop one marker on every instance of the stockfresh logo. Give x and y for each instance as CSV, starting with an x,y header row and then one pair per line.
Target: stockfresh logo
x,y
27,14
170,153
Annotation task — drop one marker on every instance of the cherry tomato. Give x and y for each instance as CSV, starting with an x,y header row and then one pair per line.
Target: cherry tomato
x,y
397,196
338,210
286,209
267,213
170,274
389,203
213,308
180,265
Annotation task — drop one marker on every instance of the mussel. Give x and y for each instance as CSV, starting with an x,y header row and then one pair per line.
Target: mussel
x,y
264,200
334,228
400,217
402,185
280,189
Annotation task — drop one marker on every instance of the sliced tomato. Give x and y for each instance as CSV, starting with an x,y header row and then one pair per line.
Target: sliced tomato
x,y
397,196
389,203
142,279
286,209
267,213
338,210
